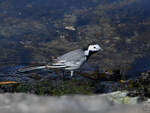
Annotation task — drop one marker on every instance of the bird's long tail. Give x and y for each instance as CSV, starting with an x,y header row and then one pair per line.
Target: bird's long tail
x,y
31,68
38,67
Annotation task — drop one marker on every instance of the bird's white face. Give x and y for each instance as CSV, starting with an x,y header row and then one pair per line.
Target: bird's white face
x,y
94,48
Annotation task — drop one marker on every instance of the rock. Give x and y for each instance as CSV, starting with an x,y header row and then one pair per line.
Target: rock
x,y
27,103
122,98
108,86
117,38
89,68
128,40
50,76
72,28
107,41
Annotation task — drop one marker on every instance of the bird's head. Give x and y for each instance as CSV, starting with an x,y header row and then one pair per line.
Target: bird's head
x,y
94,48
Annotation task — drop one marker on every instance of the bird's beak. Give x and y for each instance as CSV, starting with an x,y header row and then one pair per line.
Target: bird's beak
x,y
100,49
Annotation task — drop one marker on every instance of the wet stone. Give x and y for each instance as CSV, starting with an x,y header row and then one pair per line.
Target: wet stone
x,y
108,86
50,76
90,68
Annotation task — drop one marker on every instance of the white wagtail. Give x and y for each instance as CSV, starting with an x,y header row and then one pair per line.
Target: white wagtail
x,y
71,61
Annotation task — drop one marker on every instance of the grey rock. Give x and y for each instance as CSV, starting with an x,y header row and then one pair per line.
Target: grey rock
x,y
28,103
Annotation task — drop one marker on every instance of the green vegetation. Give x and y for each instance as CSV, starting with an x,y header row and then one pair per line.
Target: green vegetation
x,y
48,88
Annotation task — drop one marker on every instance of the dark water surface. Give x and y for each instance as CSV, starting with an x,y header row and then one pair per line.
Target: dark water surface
x,y
140,65
34,31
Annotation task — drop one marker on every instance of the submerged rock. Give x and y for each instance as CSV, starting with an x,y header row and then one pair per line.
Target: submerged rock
x,y
72,28
108,86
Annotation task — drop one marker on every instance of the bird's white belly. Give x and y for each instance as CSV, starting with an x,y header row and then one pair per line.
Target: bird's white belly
x,y
72,66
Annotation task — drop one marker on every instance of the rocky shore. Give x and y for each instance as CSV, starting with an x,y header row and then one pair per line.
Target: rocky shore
x,y
28,103
83,83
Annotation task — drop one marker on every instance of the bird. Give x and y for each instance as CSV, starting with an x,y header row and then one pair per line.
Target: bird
x,y
71,61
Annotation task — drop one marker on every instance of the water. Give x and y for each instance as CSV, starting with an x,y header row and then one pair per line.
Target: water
x,y
140,65
33,31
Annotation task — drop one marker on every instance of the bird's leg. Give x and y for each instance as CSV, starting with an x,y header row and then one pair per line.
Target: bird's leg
x,y
72,73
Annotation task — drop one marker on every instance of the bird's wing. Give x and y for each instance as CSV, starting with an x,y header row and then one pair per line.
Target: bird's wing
x,y
74,65
75,55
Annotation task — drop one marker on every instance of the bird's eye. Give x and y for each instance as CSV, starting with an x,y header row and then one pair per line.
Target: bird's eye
x,y
94,47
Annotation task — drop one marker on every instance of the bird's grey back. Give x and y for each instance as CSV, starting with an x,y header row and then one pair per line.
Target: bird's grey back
x,y
75,55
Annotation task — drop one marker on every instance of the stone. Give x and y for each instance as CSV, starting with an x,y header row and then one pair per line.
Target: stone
x,y
72,28
28,103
